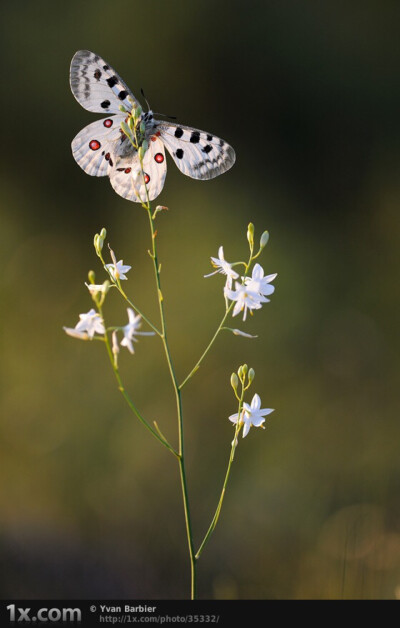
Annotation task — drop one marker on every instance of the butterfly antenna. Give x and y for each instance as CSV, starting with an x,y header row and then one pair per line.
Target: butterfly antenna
x,y
147,102
164,115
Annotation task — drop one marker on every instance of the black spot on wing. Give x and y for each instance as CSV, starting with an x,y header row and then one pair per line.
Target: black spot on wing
x,y
106,67
105,104
123,94
207,148
112,81
209,137
97,75
195,137
178,132
179,153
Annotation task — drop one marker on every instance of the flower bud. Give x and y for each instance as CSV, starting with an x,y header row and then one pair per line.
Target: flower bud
x,y
234,381
143,149
264,239
250,234
91,276
137,112
251,375
131,124
122,108
142,128
245,369
103,233
125,128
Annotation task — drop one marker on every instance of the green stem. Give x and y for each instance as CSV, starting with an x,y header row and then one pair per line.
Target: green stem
x,y
221,499
164,339
129,401
219,328
199,361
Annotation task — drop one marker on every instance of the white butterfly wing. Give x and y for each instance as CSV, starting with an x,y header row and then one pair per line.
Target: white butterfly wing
x,y
96,86
197,154
94,147
127,179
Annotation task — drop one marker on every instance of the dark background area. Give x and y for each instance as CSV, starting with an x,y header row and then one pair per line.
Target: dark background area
x,y
308,95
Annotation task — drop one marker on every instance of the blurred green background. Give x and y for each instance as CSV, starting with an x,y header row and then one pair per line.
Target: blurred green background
x,y
308,95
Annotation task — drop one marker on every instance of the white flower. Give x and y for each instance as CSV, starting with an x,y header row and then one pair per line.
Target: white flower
x,y
260,284
71,331
118,270
251,414
223,267
238,332
245,299
95,289
89,324
131,329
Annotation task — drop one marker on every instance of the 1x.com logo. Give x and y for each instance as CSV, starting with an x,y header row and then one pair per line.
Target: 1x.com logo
x,y
44,614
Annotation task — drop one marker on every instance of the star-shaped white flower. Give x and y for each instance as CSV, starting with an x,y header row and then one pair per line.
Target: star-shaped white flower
x,y
223,267
251,414
131,329
88,325
245,299
118,270
260,284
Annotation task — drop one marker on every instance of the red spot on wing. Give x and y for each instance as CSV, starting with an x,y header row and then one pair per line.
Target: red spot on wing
x,y
108,123
153,138
146,178
159,158
127,170
94,144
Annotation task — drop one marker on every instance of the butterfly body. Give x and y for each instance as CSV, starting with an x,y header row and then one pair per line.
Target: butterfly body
x,y
103,149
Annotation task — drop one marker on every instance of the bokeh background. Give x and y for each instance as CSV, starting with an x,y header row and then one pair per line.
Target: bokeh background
x,y
308,95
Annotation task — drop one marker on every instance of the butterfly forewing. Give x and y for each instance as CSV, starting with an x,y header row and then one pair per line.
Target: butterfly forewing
x,y
197,154
96,86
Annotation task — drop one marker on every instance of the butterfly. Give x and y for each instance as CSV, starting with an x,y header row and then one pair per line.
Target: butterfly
x,y
103,149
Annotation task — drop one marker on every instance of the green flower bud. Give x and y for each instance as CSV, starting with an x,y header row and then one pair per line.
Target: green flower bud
x,y
234,381
103,233
137,112
92,276
142,150
250,234
131,124
125,128
142,128
251,375
264,239
245,369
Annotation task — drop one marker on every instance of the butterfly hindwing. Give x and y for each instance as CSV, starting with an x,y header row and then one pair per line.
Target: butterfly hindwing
x,y
127,179
96,86
95,146
197,154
